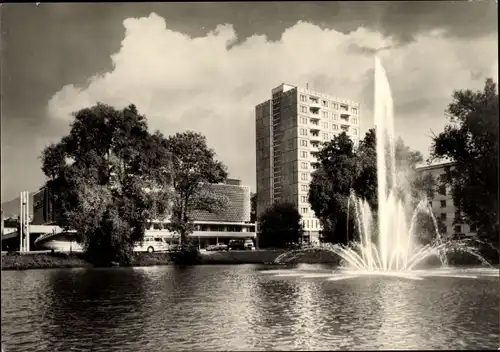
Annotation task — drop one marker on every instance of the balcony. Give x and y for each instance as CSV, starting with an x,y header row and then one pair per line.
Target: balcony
x,y
344,116
314,109
314,128
314,118
314,147
314,103
315,137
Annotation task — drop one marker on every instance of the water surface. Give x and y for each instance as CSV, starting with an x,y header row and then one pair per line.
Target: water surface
x,y
240,308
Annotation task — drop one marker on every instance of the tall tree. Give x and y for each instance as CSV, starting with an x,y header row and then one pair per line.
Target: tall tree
x,y
471,141
343,169
281,225
337,173
194,165
108,176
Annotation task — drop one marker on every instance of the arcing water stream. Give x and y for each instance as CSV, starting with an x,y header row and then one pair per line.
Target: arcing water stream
x,y
397,250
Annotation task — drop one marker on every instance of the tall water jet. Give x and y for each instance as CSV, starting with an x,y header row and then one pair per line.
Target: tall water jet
x,y
396,249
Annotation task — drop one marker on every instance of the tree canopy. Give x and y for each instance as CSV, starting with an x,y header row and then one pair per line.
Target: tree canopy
x,y
280,225
470,140
194,165
109,175
342,169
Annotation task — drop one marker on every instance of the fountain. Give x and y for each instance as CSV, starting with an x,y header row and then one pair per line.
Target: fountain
x,y
397,251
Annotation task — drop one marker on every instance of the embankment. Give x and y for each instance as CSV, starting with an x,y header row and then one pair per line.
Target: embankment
x,y
42,261
15,261
262,256
73,260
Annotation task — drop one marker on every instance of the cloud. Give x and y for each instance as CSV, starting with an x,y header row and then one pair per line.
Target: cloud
x,y
211,84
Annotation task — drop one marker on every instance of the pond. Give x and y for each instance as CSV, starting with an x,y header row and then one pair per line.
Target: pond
x,y
240,307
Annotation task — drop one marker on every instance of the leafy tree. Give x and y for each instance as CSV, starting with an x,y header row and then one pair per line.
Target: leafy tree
x,y
108,176
471,141
337,173
281,225
194,165
343,169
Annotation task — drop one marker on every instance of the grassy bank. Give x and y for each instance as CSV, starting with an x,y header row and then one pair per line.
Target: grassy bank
x,y
74,260
240,257
42,261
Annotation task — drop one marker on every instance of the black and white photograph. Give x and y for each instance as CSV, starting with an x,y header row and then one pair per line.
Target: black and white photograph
x,y
249,176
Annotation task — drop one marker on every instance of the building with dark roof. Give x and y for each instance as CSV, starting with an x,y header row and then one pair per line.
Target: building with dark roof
x,y
210,228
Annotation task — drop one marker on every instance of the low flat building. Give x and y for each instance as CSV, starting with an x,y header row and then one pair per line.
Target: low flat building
x,y
210,228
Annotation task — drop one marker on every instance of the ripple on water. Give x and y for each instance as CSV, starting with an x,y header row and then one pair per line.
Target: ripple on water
x,y
240,308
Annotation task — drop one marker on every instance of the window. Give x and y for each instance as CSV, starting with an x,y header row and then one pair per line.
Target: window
x,y
335,127
303,176
355,131
303,166
325,136
303,97
303,143
303,210
303,132
443,204
307,223
335,116
304,188
303,154
457,228
442,190
303,109
344,107
354,121
303,199
442,216
324,103
325,114
354,111
303,120
335,105
325,125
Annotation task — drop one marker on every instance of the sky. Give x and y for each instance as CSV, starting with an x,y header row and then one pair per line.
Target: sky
x,y
204,67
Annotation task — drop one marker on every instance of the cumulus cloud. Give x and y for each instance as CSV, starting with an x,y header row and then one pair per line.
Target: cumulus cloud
x,y
211,84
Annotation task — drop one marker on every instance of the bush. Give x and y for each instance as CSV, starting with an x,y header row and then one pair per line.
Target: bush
x,y
188,254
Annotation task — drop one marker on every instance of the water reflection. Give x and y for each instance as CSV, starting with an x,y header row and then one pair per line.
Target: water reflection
x,y
239,308
85,304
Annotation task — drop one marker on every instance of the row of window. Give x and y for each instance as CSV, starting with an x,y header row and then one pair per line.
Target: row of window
x,y
326,104
325,137
311,224
304,119
304,131
326,115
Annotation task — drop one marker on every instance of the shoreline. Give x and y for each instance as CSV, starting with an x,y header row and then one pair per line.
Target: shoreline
x,y
60,260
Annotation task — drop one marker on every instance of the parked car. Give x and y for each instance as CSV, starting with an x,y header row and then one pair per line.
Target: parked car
x,y
151,244
235,245
249,245
241,244
218,247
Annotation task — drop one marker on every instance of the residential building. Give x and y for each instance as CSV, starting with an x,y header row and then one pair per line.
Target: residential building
x,y
442,204
290,128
